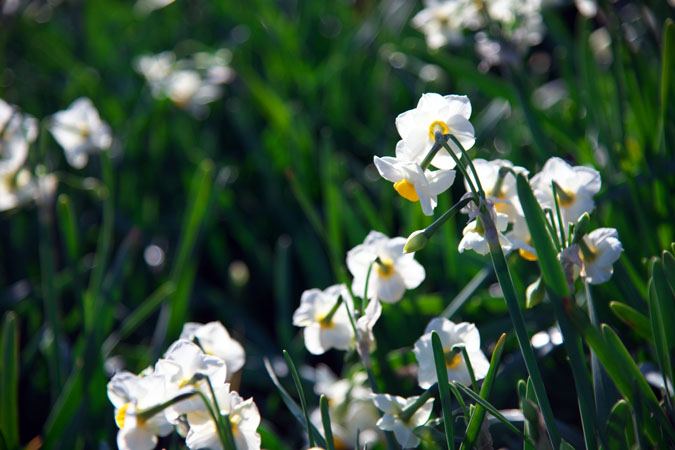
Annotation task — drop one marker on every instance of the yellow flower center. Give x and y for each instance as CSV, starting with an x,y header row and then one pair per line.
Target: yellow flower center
x,y
452,359
385,268
406,190
565,198
527,255
325,322
121,415
436,127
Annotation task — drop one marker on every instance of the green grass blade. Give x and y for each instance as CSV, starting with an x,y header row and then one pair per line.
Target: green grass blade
x,y
9,380
292,406
619,425
476,421
68,226
633,318
64,410
301,394
669,269
444,391
660,323
325,420
195,213
667,62
489,407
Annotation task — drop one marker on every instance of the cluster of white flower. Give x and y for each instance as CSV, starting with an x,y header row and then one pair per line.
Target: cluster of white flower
x,y
78,129
186,390
444,21
189,83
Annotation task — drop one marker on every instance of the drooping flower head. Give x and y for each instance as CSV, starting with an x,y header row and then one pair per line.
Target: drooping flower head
x,y
392,270
403,428
474,234
575,187
80,131
325,321
451,334
435,113
415,184
216,341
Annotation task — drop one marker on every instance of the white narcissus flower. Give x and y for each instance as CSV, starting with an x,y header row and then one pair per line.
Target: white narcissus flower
x,y
182,361
435,113
216,341
392,406
392,270
132,394
474,235
80,131
17,132
364,327
578,184
323,331
501,190
603,249
244,419
415,184
451,334
442,22
520,238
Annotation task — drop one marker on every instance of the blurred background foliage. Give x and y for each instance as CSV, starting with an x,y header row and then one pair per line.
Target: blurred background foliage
x,y
231,216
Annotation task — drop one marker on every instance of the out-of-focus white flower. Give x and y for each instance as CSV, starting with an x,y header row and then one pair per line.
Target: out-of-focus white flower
x,y
603,249
578,185
244,418
181,362
364,327
499,185
587,8
156,69
132,394
350,407
435,113
392,406
392,270
324,326
474,235
451,334
17,132
80,131
415,184
442,22
216,341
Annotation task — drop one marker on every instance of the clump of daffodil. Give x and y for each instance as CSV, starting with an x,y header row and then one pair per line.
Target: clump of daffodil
x,y
381,262
214,340
451,334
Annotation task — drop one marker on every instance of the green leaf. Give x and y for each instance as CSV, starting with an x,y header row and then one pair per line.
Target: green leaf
x,y
64,410
662,316
68,225
444,391
620,427
9,380
325,420
669,269
476,420
633,318
667,62
293,407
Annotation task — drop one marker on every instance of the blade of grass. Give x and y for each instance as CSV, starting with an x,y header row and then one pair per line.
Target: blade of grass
x,y
325,420
667,62
9,380
292,406
64,410
444,391
301,394
619,423
659,320
476,420
633,318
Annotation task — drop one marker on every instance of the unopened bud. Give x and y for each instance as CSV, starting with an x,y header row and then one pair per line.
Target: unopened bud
x,y
530,411
581,227
535,293
417,241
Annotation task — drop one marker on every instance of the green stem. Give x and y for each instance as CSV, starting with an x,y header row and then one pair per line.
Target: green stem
x,y
557,191
364,299
443,389
469,368
407,412
462,169
427,159
504,278
471,166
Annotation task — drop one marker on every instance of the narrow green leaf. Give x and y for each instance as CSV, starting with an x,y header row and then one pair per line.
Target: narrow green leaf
x,y
620,426
633,318
476,421
292,406
301,394
68,225
195,213
667,62
444,391
489,407
666,302
659,295
9,380
564,445
64,410
669,269
325,420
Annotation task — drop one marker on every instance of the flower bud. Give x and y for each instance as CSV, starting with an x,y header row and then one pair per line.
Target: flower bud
x,y
417,241
581,227
535,293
